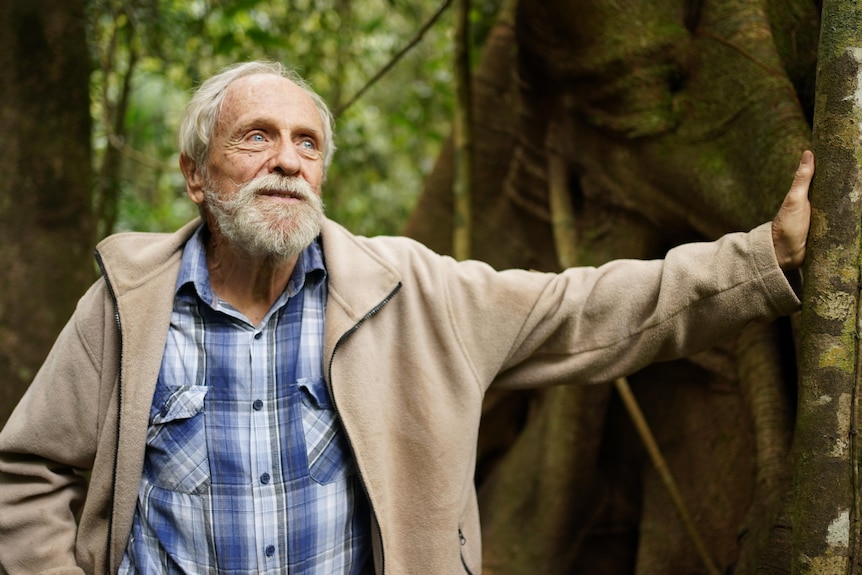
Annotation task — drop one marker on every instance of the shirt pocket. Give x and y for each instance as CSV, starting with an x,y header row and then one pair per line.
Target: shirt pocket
x,y
329,457
176,457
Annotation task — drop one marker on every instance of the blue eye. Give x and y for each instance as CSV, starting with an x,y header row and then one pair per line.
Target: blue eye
x,y
257,138
308,145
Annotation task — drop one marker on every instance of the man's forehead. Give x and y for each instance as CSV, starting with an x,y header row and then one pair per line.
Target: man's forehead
x,y
255,84
261,94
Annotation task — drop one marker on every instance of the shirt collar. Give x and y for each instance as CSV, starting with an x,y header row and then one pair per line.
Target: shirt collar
x,y
195,273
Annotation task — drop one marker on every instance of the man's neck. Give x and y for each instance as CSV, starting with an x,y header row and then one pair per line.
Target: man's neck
x,y
249,284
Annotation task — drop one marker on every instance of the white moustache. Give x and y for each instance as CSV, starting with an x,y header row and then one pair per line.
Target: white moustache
x,y
276,184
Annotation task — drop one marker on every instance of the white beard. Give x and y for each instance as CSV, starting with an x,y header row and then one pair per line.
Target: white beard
x,y
263,228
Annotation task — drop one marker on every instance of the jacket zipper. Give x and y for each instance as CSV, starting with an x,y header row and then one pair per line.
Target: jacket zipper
x,y
108,555
463,541
338,343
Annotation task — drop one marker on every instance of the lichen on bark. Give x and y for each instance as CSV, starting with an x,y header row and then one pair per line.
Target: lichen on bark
x,y
826,513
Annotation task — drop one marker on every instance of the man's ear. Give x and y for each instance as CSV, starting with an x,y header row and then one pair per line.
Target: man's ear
x,y
194,179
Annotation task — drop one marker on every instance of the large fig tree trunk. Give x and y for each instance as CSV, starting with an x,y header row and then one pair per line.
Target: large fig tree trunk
x,y
675,121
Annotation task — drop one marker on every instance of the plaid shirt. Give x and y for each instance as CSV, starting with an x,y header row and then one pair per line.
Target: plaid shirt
x,y
246,468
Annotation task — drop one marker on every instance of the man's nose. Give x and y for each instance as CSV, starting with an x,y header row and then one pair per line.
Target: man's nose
x,y
285,159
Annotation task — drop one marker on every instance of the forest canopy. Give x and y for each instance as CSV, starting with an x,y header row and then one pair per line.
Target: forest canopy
x,y
147,56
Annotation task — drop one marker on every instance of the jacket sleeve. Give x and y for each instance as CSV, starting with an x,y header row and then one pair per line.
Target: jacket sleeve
x,y
47,447
589,325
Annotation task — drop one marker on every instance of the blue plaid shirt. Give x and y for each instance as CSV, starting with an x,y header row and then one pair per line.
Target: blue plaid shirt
x,y
246,469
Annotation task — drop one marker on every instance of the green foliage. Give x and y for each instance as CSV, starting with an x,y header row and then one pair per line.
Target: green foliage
x,y
387,140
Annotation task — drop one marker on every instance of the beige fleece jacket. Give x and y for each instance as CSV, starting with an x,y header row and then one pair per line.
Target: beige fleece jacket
x,y
413,341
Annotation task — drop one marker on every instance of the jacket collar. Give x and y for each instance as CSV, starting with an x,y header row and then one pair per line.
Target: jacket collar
x,y
133,259
360,280
141,273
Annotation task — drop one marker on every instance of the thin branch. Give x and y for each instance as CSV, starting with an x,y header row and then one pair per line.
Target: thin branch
x,y
463,181
661,466
139,157
400,54
562,211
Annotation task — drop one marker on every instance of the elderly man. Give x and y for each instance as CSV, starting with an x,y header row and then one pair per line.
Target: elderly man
x,y
263,392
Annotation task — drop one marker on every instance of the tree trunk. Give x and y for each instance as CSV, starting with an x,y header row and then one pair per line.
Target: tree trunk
x,y
46,231
826,515
670,121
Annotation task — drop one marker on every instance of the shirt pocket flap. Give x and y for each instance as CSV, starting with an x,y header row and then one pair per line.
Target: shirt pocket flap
x,y
181,402
316,394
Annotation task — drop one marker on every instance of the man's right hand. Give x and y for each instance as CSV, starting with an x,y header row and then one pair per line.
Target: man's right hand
x,y
790,226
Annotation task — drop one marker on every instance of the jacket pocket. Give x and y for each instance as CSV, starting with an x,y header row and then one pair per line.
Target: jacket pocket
x,y
329,457
176,457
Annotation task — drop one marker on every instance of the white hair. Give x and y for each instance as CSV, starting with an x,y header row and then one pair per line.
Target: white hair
x,y
199,119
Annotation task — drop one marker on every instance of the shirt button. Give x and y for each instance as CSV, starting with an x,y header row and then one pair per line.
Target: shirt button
x,y
258,335
270,550
264,478
257,405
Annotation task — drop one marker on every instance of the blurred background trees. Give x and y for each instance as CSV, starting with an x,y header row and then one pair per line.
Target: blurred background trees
x,y
149,54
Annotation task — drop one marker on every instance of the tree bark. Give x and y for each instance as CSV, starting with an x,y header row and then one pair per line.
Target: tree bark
x,y
764,535
679,121
46,230
826,516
